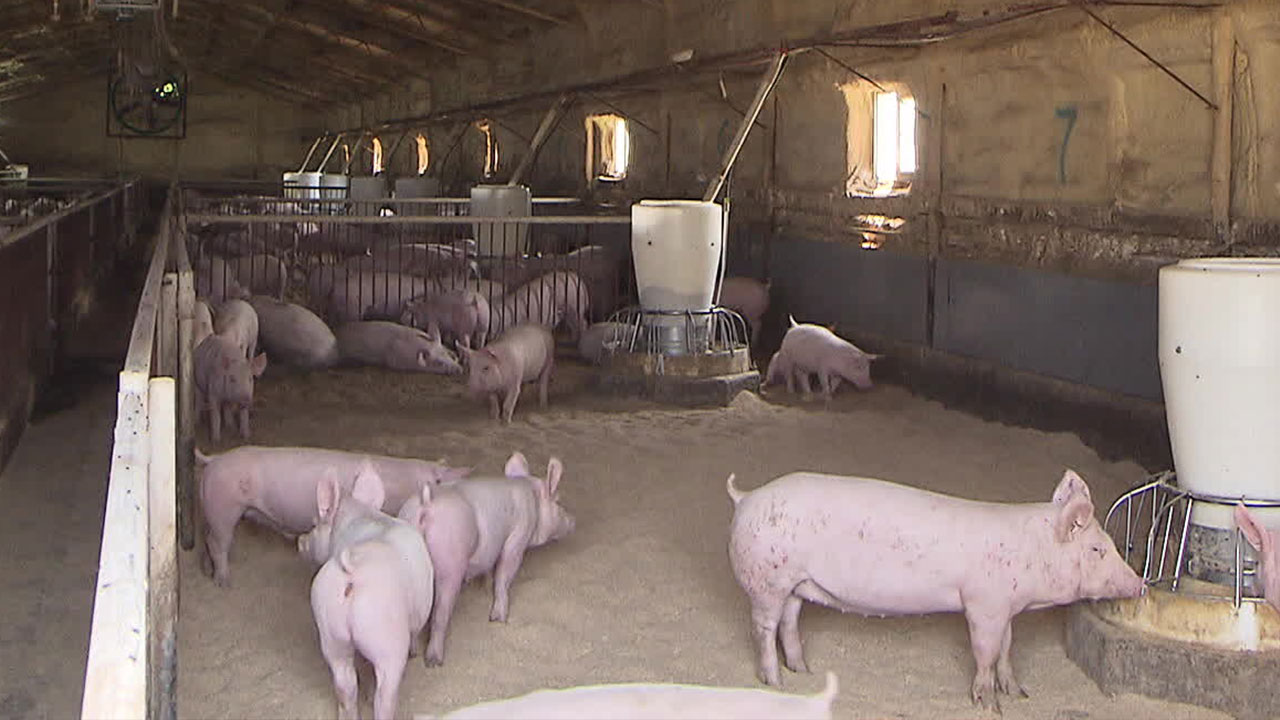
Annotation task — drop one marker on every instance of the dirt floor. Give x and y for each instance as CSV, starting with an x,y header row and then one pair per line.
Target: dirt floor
x,y
642,591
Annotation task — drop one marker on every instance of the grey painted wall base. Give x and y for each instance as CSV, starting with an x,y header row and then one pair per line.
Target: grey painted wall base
x,y
1123,660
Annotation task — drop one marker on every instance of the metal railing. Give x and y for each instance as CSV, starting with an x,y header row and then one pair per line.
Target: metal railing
x,y
132,660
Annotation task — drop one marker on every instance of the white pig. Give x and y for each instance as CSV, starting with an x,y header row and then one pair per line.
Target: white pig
x,y
293,335
237,321
1266,542
391,345
522,353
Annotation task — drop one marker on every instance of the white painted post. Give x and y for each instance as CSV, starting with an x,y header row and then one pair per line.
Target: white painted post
x,y
164,552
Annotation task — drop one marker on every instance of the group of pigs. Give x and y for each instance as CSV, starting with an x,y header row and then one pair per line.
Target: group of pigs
x,y
394,540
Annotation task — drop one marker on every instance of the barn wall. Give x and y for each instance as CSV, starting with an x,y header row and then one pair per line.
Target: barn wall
x,y
231,133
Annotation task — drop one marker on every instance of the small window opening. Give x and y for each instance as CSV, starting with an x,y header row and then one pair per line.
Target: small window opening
x,y
424,154
377,157
490,148
882,152
608,147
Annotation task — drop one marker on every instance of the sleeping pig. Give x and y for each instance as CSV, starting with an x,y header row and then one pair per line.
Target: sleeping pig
x,y
879,548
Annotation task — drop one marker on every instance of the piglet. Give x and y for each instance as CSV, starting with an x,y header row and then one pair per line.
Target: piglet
x,y
224,382
392,345
749,297
1265,542
237,321
276,487
462,313
808,348
879,548
372,595
655,701
483,526
521,354
603,339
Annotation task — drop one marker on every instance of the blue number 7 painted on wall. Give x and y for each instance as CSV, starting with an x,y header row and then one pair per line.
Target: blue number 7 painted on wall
x,y
1068,113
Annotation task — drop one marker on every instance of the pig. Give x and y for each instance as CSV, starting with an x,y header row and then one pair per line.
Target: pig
x,y
203,323
655,701
276,487
224,382
237,321
808,348
878,548
375,295
483,526
750,298
1264,541
548,300
262,273
294,335
521,354
603,338
391,345
417,259
372,594
215,281
461,313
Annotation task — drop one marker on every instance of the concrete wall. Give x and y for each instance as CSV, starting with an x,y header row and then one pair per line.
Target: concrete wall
x,y
231,133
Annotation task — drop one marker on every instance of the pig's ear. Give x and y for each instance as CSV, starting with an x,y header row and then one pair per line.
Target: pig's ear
x,y
1069,486
517,466
422,358
327,491
554,470
873,356
368,487
1073,518
259,365
422,518
1258,536
452,474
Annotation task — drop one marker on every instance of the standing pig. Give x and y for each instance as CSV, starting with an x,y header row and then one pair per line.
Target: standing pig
x,y
521,354
749,297
237,321
216,281
372,594
224,382
655,701
879,548
391,345
808,348
294,335
462,313
1265,542
276,487
483,526
204,323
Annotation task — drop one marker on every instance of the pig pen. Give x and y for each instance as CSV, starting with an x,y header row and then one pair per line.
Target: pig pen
x,y
642,590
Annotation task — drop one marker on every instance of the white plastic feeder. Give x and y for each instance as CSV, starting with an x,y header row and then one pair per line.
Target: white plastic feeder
x,y
676,247
501,201
1220,367
302,185
333,186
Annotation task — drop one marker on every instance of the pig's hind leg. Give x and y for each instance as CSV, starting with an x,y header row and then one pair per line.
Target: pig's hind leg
x,y
792,650
766,613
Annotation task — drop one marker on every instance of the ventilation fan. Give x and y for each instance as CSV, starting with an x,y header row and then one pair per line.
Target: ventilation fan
x,y
147,90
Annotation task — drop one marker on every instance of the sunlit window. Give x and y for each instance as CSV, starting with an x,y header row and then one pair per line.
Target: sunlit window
x,y
608,147
424,155
377,157
881,135
490,148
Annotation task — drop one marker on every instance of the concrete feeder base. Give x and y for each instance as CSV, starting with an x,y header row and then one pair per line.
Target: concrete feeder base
x,y
691,380
1121,658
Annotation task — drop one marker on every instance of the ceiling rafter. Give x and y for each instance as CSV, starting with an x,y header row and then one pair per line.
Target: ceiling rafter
x,y
412,25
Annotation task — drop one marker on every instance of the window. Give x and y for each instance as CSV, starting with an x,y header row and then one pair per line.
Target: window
x,y
608,148
424,155
490,148
377,157
881,140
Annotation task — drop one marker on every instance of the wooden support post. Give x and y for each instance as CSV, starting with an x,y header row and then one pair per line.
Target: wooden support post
x,y
549,122
933,158
1224,61
186,405
167,327
163,584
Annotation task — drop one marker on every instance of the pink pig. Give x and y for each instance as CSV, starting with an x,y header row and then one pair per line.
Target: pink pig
x,y
522,353
749,297
879,548
276,487
1264,541
808,348
372,594
484,526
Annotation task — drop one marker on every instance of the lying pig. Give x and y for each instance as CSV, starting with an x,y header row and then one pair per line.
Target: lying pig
x,y
603,338
521,354
391,345
808,348
375,295
294,335
204,323
461,313
237,321
1265,542
749,297
372,595
483,526
655,701
224,382
879,548
276,487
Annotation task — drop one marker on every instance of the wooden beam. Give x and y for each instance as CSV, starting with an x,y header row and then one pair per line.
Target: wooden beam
x,y
1224,61
412,25
525,10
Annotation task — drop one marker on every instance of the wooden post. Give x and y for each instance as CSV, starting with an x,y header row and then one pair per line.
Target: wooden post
x,y
1224,61
186,403
163,586
167,328
933,159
